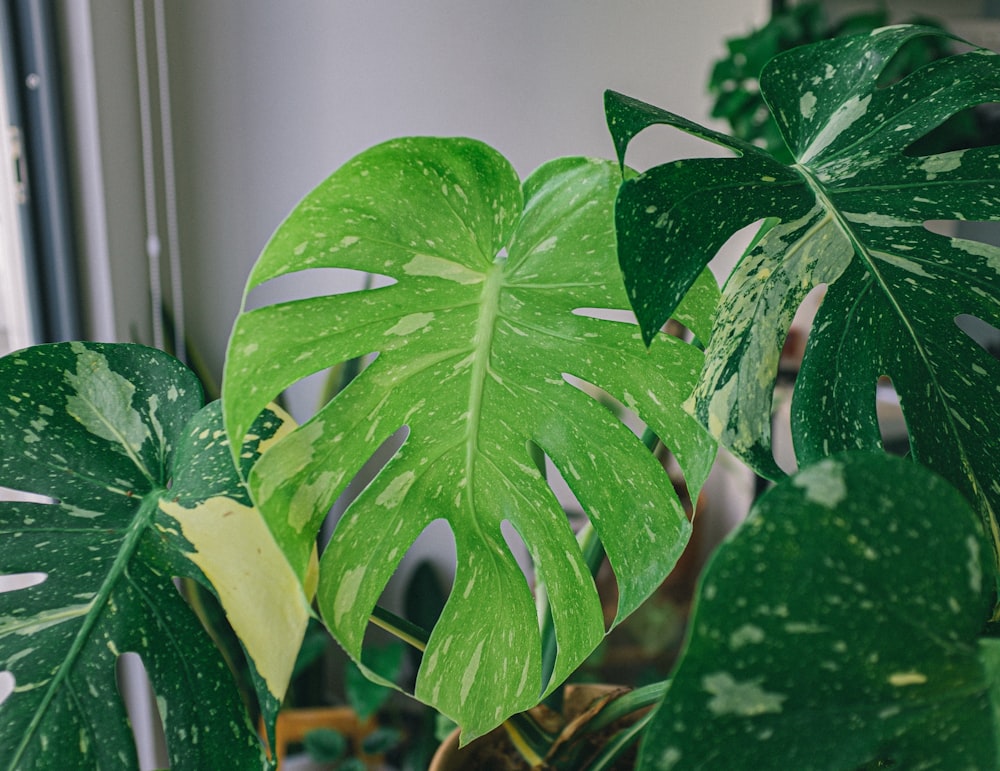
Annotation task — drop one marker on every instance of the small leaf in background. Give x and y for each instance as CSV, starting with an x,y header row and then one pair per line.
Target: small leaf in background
x,y
380,741
364,695
324,745
494,306
107,432
735,79
837,627
852,212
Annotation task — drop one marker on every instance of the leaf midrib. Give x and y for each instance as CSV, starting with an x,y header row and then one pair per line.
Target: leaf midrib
x,y
862,252
869,261
123,442
483,344
129,544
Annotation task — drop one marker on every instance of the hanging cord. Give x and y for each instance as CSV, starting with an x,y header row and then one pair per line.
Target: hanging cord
x,y
154,244
149,176
169,183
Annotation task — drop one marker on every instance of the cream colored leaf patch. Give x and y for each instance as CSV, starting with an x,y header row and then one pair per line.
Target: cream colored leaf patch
x,y
257,588
744,699
103,401
823,483
436,267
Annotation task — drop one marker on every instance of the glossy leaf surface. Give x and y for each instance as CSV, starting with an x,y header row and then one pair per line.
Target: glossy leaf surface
x,y
838,628
105,430
474,338
852,211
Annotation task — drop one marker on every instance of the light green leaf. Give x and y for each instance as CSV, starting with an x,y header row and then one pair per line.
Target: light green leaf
x,y
853,208
475,340
141,496
838,627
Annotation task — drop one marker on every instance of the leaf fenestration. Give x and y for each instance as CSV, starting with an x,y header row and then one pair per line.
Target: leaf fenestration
x,y
474,340
821,640
852,208
115,435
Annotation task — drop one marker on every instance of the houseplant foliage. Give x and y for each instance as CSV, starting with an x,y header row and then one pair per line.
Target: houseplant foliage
x,y
839,628
849,214
492,304
735,78
815,669
144,490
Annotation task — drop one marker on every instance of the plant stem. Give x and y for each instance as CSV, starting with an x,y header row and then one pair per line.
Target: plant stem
x,y
619,743
400,628
628,703
530,740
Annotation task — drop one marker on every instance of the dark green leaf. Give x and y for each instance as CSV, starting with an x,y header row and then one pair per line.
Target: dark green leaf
x,y
380,740
473,340
853,209
325,745
839,627
105,431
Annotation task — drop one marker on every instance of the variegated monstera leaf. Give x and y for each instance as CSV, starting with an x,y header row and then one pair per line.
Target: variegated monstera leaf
x,y
849,213
483,338
142,489
820,640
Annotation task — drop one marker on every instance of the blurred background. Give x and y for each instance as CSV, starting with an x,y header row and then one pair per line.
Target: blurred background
x,y
148,148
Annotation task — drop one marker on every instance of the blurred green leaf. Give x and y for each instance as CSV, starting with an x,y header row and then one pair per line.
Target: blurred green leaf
x,y
324,745
380,741
365,696
838,627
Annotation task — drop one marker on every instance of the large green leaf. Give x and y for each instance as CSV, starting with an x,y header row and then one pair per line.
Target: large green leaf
x,y
474,340
838,627
852,211
145,490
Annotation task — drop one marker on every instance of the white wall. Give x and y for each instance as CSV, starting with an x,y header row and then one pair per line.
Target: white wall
x,y
269,98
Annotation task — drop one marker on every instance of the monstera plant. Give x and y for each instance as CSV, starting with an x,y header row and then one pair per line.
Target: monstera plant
x,y
845,625
487,341
794,649
137,486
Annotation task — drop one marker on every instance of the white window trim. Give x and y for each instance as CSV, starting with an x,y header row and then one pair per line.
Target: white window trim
x,y
16,327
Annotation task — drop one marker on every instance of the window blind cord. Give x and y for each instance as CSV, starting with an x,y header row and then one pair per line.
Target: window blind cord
x,y
149,177
154,243
169,183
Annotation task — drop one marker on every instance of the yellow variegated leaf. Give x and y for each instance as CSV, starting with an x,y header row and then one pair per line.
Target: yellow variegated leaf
x,y
143,490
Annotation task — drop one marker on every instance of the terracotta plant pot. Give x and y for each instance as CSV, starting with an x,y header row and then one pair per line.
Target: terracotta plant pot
x,y
294,724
